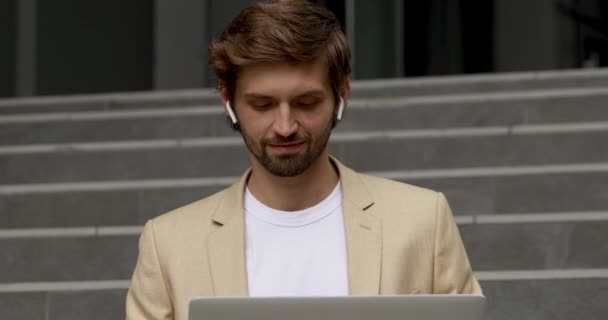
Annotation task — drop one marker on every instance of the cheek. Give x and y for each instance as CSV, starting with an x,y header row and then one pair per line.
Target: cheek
x,y
322,122
318,119
251,134
254,125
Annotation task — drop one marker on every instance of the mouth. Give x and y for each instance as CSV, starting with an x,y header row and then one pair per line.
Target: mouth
x,y
286,147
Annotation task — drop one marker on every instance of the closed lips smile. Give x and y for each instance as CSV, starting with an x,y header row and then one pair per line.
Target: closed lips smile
x,y
286,145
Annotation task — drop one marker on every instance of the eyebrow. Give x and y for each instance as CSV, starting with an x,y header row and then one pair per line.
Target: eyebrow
x,y
256,96
313,92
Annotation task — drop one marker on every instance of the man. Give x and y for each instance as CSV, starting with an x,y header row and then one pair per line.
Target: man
x,y
298,222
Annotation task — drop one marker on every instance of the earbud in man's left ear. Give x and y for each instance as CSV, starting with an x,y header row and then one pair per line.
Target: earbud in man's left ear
x,y
340,109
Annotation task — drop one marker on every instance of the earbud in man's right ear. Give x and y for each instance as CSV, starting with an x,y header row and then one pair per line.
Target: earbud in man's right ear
x,y
232,117
231,113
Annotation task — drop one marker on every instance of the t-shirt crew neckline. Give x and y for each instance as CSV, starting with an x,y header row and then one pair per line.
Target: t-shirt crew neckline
x,y
293,219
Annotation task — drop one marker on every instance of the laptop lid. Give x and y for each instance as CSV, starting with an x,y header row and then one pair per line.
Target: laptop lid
x,y
404,307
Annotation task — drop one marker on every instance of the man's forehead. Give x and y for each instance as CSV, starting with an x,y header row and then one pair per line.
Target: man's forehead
x,y
275,79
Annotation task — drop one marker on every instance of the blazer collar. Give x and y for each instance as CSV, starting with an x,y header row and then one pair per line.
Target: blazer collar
x,y
231,203
363,233
226,246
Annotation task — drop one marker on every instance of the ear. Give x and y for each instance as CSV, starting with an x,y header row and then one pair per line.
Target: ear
x,y
221,87
226,101
346,89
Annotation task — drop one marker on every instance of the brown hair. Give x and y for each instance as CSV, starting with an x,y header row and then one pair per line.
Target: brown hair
x,y
289,31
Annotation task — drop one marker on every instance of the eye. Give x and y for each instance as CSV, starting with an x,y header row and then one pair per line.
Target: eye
x,y
307,102
261,105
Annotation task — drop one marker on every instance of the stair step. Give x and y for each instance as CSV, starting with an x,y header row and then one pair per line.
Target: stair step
x,y
554,106
501,82
110,101
546,299
67,258
510,246
557,299
536,245
134,202
362,151
64,305
426,86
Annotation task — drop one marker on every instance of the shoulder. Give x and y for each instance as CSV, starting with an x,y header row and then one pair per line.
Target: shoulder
x,y
398,203
196,215
396,191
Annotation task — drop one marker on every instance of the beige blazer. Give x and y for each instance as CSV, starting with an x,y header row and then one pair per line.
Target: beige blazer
x,y
401,239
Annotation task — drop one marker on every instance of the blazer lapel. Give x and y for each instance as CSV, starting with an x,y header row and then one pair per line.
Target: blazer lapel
x,y
363,234
226,246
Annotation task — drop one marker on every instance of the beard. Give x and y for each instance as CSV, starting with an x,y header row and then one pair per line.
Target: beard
x,y
289,165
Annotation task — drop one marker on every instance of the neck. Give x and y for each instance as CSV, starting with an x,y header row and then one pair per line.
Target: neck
x,y
294,193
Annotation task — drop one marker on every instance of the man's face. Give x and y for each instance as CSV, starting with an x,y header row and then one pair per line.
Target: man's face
x,y
285,113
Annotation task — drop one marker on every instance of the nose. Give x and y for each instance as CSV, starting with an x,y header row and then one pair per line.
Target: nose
x,y
285,123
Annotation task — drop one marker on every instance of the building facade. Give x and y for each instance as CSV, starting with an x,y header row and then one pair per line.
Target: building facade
x,y
71,47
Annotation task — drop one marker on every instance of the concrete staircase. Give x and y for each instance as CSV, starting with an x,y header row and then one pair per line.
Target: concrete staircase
x,y
523,159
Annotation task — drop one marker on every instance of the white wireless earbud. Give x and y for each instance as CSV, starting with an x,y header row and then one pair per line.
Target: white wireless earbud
x,y
340,109
231,113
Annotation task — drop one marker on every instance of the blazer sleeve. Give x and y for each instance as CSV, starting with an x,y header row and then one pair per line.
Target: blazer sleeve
x,y
452,271
147,297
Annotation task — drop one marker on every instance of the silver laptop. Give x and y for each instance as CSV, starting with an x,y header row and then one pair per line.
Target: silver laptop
x,y
405,307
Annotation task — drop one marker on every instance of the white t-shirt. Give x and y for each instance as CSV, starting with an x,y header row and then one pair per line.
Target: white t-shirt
x,y
299,253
